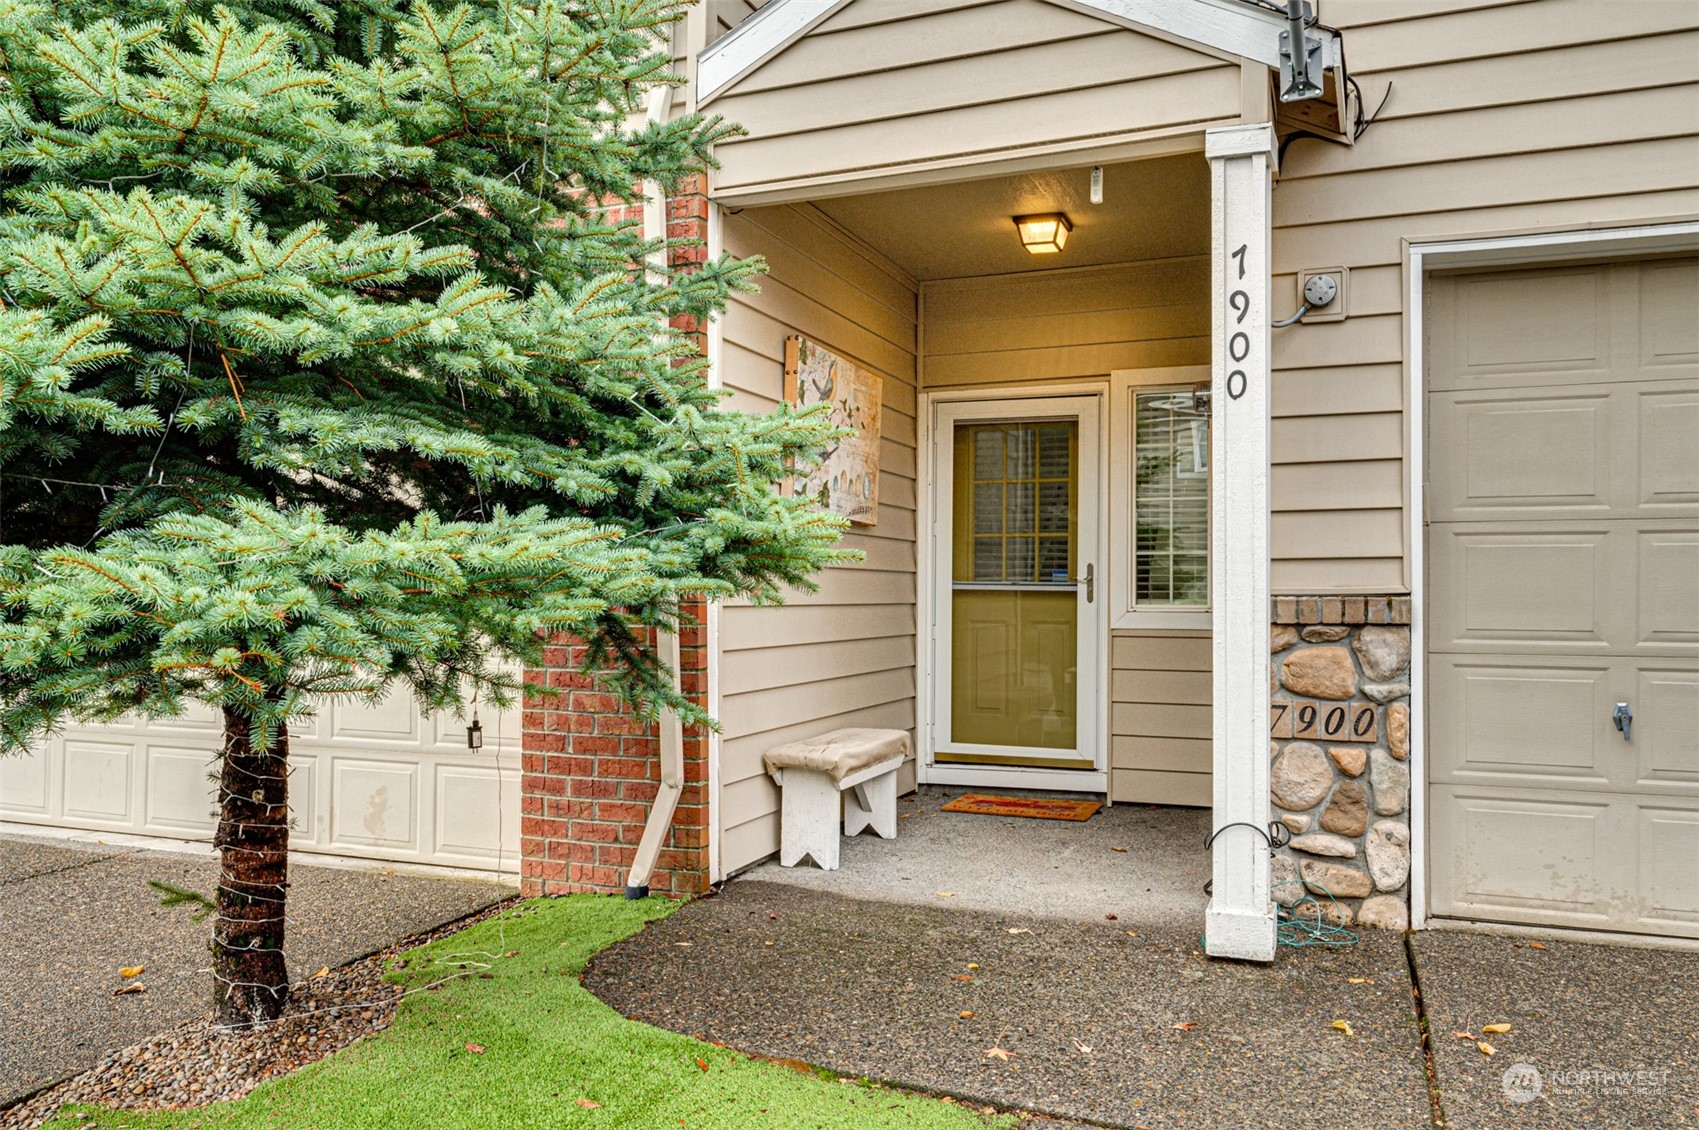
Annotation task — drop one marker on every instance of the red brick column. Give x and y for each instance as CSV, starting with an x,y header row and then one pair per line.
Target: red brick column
x,y
591,770
590,773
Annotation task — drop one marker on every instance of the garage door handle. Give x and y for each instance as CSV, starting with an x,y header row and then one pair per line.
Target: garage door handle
x,y
1623,719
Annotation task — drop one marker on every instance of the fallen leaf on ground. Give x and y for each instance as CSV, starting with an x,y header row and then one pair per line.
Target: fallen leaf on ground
x,y
946,894
1360,980
589,1104
1086,1048
1535,946
1111,917
511,953
132,987
973,965
1185,1025
1486,1049
321,971
1464,1035
131,971
998,1053
966,1014
1495,1029
1344,1027
1132,933
476,1049
1123,851
962,977
702,1063
1019,930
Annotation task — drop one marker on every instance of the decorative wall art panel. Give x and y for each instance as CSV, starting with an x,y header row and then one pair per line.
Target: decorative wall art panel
x,y
847,481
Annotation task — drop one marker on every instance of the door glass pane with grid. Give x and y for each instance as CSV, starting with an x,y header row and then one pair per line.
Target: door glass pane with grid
x,y
1014,599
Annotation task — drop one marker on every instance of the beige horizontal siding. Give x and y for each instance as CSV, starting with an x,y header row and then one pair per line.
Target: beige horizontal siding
x,y
878,87
1503,117
843,656
1160,718
1065,325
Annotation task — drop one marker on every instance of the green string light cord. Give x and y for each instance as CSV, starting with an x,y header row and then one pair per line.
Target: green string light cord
x,y
1298,929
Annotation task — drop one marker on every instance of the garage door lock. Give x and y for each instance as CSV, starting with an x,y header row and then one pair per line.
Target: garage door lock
x,y
1623,719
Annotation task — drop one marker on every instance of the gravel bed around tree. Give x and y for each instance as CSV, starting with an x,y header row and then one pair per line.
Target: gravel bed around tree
x,y
198,1063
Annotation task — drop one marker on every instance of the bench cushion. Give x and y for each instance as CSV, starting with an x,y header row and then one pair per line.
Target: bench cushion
x,y
839,753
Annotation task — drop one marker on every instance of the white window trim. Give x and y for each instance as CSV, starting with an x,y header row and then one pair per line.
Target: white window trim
x,y
1124,613
1527,250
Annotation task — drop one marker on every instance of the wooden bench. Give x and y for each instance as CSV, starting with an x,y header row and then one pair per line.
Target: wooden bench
x,y
857,765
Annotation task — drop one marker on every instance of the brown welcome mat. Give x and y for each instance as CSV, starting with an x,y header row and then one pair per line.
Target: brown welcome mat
x,y
1042,808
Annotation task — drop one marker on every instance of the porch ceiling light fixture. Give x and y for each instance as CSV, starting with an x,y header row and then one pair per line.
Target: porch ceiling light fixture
x,y
1045,233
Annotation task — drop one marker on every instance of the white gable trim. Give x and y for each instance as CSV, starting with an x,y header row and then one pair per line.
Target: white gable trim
x,y
1233,27
773,27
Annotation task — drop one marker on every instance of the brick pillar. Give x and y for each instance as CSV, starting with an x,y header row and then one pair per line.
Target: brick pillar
x,y
590,769
590,773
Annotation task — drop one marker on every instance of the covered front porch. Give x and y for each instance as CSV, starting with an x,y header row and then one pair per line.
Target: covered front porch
x,y
1064,510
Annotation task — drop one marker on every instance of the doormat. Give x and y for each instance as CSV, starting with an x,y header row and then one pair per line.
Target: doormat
x,y
1041,808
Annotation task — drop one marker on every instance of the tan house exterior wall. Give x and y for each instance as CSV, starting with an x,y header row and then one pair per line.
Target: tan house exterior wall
x,y
910,84
844,656
1502,118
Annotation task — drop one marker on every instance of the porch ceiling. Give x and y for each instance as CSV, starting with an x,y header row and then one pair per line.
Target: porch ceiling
x,y
1152,209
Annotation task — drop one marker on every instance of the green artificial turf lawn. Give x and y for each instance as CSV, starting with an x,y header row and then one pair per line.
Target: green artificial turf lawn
x,y
548,1043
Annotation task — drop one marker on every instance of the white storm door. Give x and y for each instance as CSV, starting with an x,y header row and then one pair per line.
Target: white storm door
x,y
1018,587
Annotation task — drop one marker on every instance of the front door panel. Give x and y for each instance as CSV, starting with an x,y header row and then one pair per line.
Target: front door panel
x,y
1015,642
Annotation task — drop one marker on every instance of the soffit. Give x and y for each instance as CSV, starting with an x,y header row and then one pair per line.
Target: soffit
x,y
1153,209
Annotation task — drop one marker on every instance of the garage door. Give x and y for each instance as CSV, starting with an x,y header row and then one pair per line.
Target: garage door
x,y
376,782
1563,579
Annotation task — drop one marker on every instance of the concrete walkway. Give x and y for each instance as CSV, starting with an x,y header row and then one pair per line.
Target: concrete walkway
x,y
73,913
1138,861
973,934
1612,1030
1098,1026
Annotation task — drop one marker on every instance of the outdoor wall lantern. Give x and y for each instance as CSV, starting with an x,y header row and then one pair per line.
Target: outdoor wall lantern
x,y
1045,233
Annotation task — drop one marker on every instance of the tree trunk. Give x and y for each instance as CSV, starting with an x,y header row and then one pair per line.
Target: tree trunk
x,y
250,980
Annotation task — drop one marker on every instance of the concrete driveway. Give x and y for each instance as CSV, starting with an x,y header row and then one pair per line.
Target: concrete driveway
x,y
73,913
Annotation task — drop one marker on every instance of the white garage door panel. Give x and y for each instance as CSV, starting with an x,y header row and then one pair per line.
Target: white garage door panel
x,y
102,773
375,804
378,782
1563,552
1622,450
1666,591
465,795
1526,719
1670,892
1669,331
24,786
1669,456
1670,698
181,795
1495,837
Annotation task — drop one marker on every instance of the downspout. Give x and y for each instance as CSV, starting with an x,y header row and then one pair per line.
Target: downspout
x,y
666,643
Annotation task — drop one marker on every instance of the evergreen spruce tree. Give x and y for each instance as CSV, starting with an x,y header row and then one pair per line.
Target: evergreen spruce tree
x,y
322,374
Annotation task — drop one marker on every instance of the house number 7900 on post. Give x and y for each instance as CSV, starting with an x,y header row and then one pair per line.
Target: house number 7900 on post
x,y
1239,344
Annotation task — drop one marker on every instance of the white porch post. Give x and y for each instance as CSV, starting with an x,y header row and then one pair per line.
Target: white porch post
x,y
1240,921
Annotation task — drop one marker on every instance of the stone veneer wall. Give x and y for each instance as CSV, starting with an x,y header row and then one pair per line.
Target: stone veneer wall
x,y
1347,803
